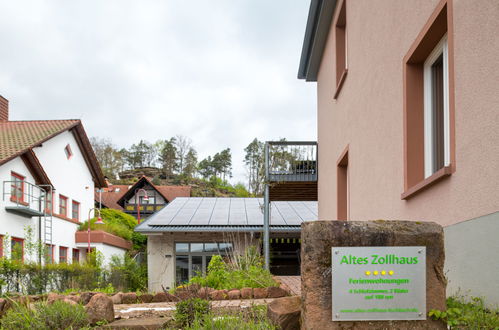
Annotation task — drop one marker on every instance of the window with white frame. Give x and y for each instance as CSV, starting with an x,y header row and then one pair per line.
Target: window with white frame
x,y
436,109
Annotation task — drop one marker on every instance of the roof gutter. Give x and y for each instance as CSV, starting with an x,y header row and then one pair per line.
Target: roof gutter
x,y
215,229
319,20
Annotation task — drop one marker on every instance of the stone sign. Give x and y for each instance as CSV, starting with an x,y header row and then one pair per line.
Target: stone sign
x,y
379,283
320,238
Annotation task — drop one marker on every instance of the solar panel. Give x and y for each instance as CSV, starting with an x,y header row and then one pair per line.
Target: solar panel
x,y
185,214
166,214
207,211
254,211
237,212
203,213
220,215
290,216
305,210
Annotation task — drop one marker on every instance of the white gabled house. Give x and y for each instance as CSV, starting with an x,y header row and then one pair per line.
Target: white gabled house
x,y
48,173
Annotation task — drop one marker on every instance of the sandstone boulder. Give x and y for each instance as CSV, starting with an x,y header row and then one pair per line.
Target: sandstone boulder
x,y
73,297
129,298
260,293
35,298
185,294
318,237
161,297
86,296
100,308
204,293
145,298
218,295
117,298
70,301
276,292
246,293
53,297
285,312
234,294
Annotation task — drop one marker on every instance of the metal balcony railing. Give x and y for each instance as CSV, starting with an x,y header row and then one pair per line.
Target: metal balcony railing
x,y
291,161
24,198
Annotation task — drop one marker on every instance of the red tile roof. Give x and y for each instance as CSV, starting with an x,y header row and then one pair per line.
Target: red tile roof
x,y
111,195
16,137
171,192
114,193
19,137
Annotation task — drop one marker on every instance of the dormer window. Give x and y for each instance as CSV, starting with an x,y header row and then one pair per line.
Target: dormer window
x,y
68,151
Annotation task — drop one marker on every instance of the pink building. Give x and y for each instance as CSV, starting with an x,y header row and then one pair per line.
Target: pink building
x,y
408,121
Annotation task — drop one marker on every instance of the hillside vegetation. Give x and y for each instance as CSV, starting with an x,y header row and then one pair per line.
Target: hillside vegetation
x,y
213,187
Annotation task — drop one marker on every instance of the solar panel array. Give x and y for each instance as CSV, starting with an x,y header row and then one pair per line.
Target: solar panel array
x,y
217,211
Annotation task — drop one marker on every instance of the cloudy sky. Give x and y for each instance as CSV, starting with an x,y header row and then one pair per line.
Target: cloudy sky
x,y
221,72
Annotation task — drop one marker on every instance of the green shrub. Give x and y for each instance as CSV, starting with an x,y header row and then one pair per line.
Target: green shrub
x,y
32,278
127,274
115,222
120,224
59,315
463,313
189,310
124,274
244,271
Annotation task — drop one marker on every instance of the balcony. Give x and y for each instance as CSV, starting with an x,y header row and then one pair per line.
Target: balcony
x,y
24,198
144,208
84,238
291,170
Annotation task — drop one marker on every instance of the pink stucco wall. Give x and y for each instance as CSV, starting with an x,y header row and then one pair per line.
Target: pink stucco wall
x,y
368,114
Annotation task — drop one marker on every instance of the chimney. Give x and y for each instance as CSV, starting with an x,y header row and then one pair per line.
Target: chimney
x,y
4,109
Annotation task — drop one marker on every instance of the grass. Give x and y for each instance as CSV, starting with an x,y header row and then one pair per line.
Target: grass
x,y
59,315
253,318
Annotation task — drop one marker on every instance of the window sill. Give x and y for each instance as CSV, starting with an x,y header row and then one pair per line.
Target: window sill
x,y
59,216
437,176
340,83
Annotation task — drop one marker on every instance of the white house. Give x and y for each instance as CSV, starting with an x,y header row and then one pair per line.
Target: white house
x,y
48,172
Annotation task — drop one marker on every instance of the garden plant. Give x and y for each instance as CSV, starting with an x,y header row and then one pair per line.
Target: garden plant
x,y
236,272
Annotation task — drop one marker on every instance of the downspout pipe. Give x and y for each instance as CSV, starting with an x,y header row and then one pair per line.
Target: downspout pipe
x,y
266,214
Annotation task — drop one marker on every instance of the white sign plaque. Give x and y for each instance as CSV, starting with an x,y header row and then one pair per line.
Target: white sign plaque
x,y
379,283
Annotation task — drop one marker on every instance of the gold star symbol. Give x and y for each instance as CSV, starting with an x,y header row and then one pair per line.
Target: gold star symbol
x,y
391,272
368,273
383,272
375,272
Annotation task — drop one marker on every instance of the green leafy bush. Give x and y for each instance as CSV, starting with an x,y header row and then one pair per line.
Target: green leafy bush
x,y
123,274
128,274
115,222
120,224
463,313
32,278
244,271
189,310
59,315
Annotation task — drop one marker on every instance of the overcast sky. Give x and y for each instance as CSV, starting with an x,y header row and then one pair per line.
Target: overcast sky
x,y
220,72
